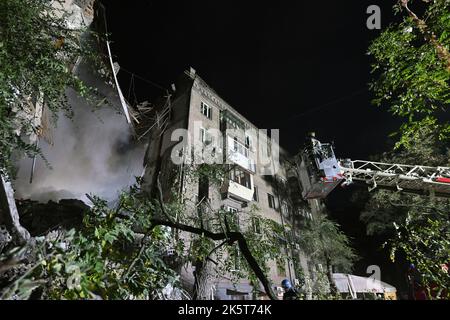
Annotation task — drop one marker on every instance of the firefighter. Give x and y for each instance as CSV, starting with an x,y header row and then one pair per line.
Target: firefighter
x,y
289,291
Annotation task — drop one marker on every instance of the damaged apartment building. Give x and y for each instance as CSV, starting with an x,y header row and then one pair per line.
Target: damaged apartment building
x,y
259,177
195,122
69,143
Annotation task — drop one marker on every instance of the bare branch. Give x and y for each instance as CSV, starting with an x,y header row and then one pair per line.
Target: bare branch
x,y
429,35
230,238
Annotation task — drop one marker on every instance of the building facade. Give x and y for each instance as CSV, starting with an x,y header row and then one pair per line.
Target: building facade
x,y
194,117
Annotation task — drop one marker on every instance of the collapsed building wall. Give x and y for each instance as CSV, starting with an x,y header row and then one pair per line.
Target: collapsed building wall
x,y
92,152
34,113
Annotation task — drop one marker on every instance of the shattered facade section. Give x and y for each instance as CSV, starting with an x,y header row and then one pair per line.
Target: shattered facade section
x,y
94,152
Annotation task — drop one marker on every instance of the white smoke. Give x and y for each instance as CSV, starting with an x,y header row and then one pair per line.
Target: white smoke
x,y
92,153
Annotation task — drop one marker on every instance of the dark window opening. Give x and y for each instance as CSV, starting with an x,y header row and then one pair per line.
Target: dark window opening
x,y
271,200
255,194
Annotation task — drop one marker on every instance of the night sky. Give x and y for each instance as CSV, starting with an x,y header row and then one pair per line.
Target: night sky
x,y
298,66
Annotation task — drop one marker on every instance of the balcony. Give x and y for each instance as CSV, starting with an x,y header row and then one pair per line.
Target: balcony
x,y
239,154
229,121
239,185
240,192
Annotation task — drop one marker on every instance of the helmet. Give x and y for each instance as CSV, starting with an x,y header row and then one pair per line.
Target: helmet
x,y
286,284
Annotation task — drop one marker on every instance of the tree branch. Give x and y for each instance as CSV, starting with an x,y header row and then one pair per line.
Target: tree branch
x,y
429,35
230,237
141,251
416,206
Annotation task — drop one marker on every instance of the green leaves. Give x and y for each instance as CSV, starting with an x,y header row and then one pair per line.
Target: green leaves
x,y
424,239
92,262
322,238
410,77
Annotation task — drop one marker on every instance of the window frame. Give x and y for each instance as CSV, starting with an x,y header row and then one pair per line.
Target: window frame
x,y
271,201
248,142
206,110
238,175
234,214
256,225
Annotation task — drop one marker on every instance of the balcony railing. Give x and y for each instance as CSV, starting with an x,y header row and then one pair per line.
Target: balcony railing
x,y
240,154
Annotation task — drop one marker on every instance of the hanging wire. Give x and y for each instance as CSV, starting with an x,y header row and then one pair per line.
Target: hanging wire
x,y
144,79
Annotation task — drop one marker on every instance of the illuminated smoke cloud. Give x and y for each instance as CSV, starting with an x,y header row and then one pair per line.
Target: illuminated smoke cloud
x,y
92,153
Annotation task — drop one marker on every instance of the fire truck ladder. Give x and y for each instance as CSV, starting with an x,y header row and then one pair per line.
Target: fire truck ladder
x,y
408,178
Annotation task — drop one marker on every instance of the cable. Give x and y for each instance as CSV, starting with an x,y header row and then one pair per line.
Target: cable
x,y
143,79
122,68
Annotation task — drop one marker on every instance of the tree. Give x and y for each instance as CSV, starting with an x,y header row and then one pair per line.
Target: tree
x,y
325,243
222,242
412,69
412,78
123,252
424,239
414,226
380,209
116,254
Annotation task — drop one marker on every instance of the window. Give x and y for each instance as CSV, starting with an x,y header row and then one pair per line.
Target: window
x,y
256,225
202,136
209,139
206,110
240,148
206,137
271,200
248,142
233,218
236,259
255,194
232,210
239,176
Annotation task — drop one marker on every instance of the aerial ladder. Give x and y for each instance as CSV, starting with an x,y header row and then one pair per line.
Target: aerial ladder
x,y
321,172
